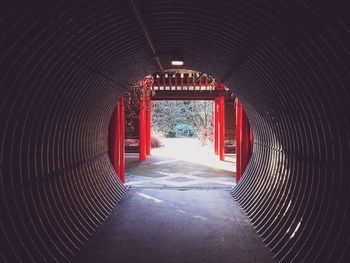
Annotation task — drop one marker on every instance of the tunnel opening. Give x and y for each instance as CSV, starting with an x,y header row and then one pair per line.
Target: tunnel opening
x,y
167,107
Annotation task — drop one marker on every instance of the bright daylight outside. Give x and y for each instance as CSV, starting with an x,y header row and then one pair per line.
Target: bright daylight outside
x,y
182,135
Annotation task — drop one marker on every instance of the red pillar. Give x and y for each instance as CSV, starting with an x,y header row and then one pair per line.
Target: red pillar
x,y
116,140
216,127
222,128
219,129
142,139
238,140
148,126
243,140
121,140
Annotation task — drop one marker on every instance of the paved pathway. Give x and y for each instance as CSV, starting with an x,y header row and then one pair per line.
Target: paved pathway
x,y
173,226
182,162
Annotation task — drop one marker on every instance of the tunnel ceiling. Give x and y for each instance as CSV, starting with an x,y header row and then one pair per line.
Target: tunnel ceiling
x,y
64,64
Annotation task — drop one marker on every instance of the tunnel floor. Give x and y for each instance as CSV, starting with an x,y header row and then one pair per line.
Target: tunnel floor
x,y
176,225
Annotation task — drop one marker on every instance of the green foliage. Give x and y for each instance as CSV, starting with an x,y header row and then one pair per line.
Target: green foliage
x,y
184,129
170,133
170,114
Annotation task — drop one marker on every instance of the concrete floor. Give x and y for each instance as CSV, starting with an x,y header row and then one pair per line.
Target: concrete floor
x,y
181,162
155,225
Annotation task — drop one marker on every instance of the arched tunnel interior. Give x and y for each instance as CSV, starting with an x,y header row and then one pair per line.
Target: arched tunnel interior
x,y
65,64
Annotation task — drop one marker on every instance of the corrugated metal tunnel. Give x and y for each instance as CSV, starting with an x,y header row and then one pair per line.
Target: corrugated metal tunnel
x,y
65,64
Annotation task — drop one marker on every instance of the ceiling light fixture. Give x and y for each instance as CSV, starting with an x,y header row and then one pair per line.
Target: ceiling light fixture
x,y
177,61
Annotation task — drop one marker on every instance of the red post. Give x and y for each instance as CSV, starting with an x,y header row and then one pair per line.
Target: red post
x,y
142,139
222,128
116,140
148,126
118,134
219,143
238,140
216,127
243,140
121,140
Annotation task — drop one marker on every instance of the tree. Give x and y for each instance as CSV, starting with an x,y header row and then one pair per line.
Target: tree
x,y
193,113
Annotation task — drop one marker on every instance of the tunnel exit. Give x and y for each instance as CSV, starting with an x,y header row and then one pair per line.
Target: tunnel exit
x,y
130,131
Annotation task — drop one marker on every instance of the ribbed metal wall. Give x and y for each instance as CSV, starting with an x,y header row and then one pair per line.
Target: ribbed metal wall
x,y
64,64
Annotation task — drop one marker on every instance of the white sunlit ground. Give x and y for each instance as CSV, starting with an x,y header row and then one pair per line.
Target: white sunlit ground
x,y
181,162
